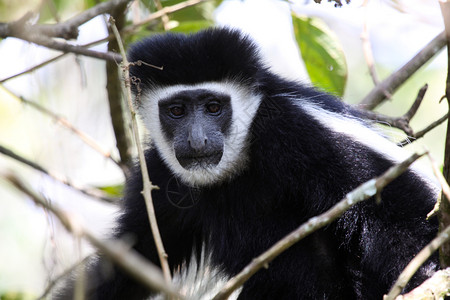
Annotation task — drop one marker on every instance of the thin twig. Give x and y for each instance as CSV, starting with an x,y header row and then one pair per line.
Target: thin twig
x,y
444,208
115,93
119,252
436,123
428,250
435,287
66,47
94,193
440,177
165,11
41,35
52,8
99,9
66,30
80,280
65,123
9,29
390,84
413,109
33,33
44,63
367,47
424,131
145,176
398,122
164,18
61,276
361,193
416,262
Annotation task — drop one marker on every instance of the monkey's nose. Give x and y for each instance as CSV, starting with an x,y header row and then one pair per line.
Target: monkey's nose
x,y
197,139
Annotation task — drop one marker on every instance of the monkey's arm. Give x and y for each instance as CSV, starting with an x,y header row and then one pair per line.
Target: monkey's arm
x,y
381,239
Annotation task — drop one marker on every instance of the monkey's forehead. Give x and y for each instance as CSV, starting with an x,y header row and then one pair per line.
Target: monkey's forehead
x,y
241,95
231,88
212,55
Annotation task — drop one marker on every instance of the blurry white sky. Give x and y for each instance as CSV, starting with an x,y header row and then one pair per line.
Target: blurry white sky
x,y
75,89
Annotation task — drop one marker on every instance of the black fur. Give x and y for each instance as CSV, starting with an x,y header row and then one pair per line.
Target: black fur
x,y
297,169
211,55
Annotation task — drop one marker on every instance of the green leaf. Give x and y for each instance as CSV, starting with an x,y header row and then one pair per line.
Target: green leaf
x,y
192,26
322,54
16,296
201,11
141,33
113,190
189,19
186,14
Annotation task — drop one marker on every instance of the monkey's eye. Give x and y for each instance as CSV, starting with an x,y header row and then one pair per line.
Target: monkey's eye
x,y
176,111
214,108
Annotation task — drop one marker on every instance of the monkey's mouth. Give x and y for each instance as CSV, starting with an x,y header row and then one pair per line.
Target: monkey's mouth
x,y
200,160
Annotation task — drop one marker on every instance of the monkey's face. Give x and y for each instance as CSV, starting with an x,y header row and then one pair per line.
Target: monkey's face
x,y
200,130
196,123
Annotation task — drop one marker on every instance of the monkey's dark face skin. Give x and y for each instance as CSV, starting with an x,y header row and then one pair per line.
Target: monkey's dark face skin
x,y
196,123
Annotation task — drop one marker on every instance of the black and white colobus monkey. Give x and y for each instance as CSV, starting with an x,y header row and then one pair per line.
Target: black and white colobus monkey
x,y
242,157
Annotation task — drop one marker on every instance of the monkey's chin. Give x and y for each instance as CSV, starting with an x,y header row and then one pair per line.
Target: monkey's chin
x,y
200,161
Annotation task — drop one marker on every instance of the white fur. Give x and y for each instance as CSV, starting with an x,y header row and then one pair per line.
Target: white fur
x,y
244,106
353,128
201,280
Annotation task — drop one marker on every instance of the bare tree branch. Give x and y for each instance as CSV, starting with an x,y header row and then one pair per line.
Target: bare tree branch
x,y
428,250
398,122
49,61
34,33
94,193
63,275
9,29
444,209
367,47
118,251
160,13
361,193
66,30
44,63
424,131
148,186
417,261
396,79
66,47
403,121
99,9
62,121
41,34
115,95
436,287
164,18
444,186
